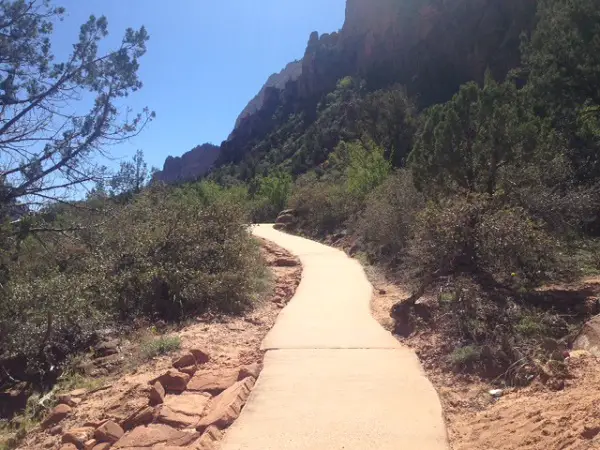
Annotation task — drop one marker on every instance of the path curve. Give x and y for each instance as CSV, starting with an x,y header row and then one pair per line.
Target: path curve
x,y
333,378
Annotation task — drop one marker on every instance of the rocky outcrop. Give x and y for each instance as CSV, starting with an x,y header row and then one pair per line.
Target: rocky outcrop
x,y
189,167
430,47
291,72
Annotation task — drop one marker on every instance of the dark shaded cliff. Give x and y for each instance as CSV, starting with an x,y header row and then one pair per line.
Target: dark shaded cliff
x,y
192,165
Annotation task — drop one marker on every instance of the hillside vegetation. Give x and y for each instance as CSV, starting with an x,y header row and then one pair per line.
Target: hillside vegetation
x,y
477,200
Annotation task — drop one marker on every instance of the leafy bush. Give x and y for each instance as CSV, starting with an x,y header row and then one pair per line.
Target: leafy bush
x,y
385,224
271,196
168,254
364,166
322,207
475,235
160,346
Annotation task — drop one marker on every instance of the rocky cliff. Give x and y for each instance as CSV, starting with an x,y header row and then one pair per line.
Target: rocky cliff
x,y
278,80
190,166
429,46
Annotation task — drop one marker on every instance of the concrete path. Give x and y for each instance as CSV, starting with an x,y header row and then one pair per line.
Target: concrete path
x,y
333,378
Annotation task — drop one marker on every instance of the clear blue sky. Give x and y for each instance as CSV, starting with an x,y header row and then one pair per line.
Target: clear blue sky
x,y
206,59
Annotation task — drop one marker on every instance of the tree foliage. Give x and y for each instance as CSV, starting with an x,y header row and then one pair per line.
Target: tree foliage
x,y
46,143
466,143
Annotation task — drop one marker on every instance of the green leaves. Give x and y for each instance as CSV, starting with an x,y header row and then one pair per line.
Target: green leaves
x,y
466,143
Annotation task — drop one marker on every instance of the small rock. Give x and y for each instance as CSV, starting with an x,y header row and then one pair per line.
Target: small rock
x,y
252,370
191,370
89,445
286,262
143,416
227,406
286,212
213,382
173,381
157,394
286,219
590,432
382,292
56,415
78,393
496,393
58,429
184,361
109,432
107,348
201,356
78,436
69,400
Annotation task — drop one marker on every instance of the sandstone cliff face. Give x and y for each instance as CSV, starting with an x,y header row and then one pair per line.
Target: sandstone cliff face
x,y
278,80
190,166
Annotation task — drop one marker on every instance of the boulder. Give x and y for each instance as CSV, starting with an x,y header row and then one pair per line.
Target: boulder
x,y
109,432
154,435
589,337
288,212
143,416
67,399
56,415
252,370
213,382
107,348
188,403
201,356
227,406
286,219
173,381
78,393
286,262
78,436
157,394
184,361
175,419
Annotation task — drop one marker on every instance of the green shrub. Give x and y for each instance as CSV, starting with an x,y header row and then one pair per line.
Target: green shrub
x,y
474,235
322,207
466,357
272,196
160,346
386,222
167,254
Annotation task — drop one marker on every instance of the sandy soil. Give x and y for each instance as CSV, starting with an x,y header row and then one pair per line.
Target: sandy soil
x,y
533,418
230,342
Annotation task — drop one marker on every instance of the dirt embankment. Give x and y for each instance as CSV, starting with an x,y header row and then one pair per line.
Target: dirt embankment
x,y
533,418
172,414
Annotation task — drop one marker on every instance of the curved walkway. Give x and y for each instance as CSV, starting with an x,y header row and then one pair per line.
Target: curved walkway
x,y
333,378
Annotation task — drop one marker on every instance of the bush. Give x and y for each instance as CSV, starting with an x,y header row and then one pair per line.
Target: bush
x,y
474,235
271,197
160,346
386,222
168,254
322,207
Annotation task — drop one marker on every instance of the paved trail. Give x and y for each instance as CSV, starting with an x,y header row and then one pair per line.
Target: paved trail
x,y
333,378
